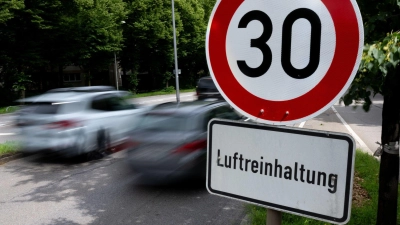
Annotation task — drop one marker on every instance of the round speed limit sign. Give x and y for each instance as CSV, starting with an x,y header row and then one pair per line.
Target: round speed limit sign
x,y
284,61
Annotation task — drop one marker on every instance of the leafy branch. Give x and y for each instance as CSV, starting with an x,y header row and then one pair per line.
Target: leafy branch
x,y
378,60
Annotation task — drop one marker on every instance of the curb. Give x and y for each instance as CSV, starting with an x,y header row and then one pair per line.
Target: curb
x,y
245,220
11,157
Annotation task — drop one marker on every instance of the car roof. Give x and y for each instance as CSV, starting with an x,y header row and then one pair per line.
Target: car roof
x,y
206,82
83,89
72,94
185,108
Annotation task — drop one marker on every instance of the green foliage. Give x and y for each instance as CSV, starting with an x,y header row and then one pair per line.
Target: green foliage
x,y
48,35
169,89
8,147
21,80
148,47
378,59
40,38
8,109
381,51
192,58
383,56
133,81
97,26
379,17
167,77
8,8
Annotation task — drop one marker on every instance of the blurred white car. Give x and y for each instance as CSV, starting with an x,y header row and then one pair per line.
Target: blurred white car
x,y
75,121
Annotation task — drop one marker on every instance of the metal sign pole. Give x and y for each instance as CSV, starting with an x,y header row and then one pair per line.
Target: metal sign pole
x,y
175,53
115,71
274,217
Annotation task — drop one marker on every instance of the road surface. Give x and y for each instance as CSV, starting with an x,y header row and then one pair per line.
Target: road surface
x,y
49,190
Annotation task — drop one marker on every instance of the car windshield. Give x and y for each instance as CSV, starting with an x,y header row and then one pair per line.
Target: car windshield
x,y
165,122
206,83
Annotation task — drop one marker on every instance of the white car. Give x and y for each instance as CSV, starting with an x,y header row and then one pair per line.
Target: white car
x,y
75,121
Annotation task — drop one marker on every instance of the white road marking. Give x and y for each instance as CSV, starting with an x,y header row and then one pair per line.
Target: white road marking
x,y
165,99
363,146
7,134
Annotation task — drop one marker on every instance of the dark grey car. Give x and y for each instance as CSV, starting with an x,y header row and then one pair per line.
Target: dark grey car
x,y
206,89
170,143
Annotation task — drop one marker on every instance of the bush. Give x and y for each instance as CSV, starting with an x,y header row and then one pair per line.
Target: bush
x,y
168,89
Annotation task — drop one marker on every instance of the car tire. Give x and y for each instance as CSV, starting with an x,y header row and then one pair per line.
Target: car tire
x,y
101,147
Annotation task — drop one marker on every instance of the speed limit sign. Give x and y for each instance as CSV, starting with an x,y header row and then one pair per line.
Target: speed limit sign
x,y
284,61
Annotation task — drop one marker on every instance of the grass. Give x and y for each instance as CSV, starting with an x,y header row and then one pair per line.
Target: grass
x,y
363,212
161,92
8,109
8,147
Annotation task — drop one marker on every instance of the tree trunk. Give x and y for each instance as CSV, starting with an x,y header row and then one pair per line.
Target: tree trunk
x,y
389,166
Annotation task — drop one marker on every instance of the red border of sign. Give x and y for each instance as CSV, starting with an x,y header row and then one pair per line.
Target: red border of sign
x,y
341,70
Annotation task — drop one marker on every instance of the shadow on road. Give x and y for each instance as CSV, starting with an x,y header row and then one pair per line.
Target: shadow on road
x,y
44,190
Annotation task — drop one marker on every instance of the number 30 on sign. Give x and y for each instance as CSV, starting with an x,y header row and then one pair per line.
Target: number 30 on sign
x,y
284,61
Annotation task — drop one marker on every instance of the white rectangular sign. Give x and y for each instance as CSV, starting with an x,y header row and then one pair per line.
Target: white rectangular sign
x,y
298,171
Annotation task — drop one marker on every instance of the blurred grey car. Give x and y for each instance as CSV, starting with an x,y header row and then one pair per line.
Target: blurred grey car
x,y
76,121
170,142
206,89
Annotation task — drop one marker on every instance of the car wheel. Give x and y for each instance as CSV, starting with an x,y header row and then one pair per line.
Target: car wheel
x,y
101,147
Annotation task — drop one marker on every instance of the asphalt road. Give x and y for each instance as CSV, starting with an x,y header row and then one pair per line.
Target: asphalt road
x,y
365,127
49,190
37,190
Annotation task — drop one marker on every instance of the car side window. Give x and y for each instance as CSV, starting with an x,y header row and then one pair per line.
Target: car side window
x,y
110,103
100,103
117,103
208,116
225,112
222,112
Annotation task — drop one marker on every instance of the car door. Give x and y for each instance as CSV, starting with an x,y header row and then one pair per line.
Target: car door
x,y
99,117
125,118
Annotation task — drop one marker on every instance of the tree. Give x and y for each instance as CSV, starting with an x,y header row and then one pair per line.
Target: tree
x,y
148,47
96,31
41,35
21,44
7,12
8,8
192,40
379,72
